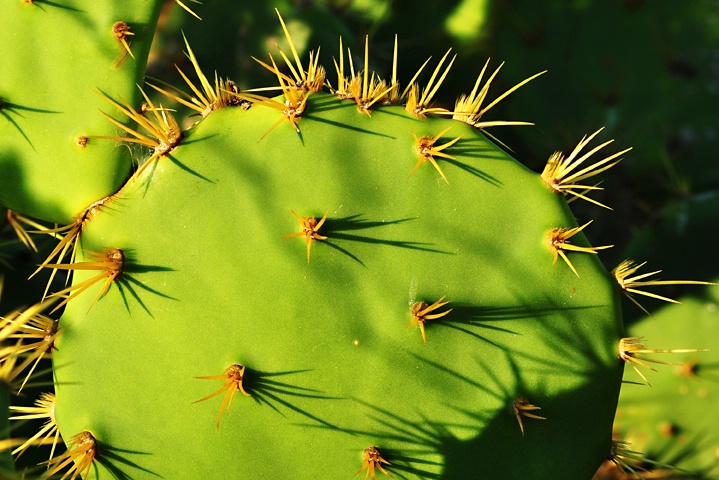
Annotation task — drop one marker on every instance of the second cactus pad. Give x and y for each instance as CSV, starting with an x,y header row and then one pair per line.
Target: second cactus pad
x,y
361,302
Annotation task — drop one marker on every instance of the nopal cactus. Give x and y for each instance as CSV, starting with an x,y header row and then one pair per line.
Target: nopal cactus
x,y
345,279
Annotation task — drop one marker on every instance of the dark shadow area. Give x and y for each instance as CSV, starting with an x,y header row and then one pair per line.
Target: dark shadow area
x,y
706,371
148,176
476,149
300,136
133,267
267,388
344,251
497,390
487,442
318,104
473,171
127,283
185,168
345,126
423,439
6,108
577,352
397,112
335,229
190,138
471,319
14,108
327,103
116,459
550,446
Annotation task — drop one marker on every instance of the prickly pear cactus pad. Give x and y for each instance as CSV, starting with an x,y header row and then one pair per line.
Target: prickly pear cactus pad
x,y
655,419
49,166
334,362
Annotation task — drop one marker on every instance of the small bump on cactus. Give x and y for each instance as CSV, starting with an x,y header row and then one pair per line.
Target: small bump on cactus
x,y
469,109
81,141
109,262
122,31
427,150
233,377
371,460
421,314
207,98
521,407
558,243
309,230
79,457
559,173
165,133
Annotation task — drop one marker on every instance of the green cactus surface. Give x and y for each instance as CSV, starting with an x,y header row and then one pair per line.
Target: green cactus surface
x,y
656,419
331,368
49,101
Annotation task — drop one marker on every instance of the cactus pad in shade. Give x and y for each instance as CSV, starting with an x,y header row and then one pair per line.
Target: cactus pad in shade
x,y
655,419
